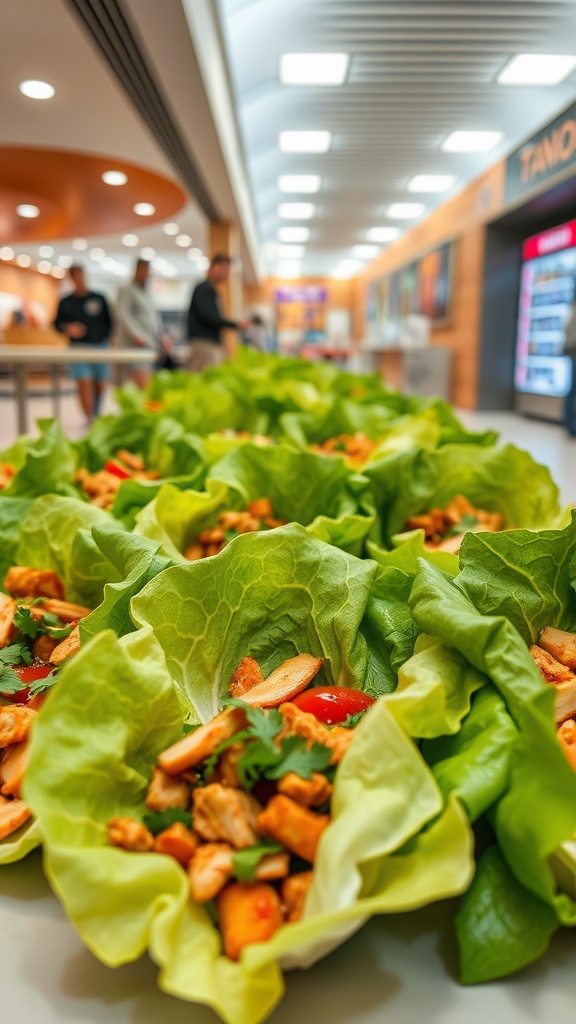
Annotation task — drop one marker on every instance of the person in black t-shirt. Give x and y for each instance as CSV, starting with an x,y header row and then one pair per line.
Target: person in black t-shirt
x,y
205,321
84,317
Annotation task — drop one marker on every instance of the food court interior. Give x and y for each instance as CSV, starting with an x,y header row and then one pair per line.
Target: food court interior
x,y
394,185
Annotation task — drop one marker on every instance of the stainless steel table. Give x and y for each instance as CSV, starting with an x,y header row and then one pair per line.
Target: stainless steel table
x,y
19,358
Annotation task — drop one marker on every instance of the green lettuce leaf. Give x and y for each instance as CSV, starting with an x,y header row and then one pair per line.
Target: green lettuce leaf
x,y
12,512
44,465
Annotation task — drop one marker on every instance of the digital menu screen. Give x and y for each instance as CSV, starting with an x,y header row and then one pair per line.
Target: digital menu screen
x,y
547,290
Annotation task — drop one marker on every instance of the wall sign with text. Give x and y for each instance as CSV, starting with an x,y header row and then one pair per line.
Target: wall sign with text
x,y
547,154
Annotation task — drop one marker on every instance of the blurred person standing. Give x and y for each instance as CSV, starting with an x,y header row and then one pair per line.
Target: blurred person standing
x,y
255,335
139,323
205,321
570,351
84,317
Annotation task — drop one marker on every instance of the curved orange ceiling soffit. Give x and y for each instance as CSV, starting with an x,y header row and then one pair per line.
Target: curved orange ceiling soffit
x,y
73,200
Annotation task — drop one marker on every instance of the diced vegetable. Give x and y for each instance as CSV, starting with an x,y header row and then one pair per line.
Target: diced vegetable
x,y
247,914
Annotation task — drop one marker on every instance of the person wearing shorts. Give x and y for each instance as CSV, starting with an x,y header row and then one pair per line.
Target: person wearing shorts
x,y
205,321
84,317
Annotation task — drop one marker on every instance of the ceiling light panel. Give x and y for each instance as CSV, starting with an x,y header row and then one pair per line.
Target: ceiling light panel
x,y
293,234
365,252
383,234
170,229
36,90
405,211
537,69
314,68
183,240
289,268
79,244
347,268
6,253
144,209
130,240
431,183
305,142
45,252
471,142
23,260
296,211
114,178
285,252
302,183
27,210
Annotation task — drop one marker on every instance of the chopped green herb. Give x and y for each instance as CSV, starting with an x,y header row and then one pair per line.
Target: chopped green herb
x,y
10,681
265,757
16,653
352,720
188,727
246,861
44,684
157,821
298,758
59,632
468,522
25,622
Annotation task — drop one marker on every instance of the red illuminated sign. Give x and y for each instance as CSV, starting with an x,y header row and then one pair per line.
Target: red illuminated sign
x,y
562,237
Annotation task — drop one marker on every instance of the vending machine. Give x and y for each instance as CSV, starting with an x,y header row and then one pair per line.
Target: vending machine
x,y
547,291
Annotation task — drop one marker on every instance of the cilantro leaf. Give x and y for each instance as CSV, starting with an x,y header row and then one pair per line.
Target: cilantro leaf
x,y
352,720
16,653
246,861
25,622
157,821
466,523
59,632
10,681
296,757
44,684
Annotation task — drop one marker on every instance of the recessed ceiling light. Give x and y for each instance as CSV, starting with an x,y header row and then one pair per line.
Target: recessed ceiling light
x,y
23,260
293,234
170,229
347,268
296,211
79,244
471,142
144,209
44,267
114,178
183,240
45,251
365,252
37,90
27,210
6,253
195,254
383,234
291,252
537,69
431,183
305,142
299,182
313,68
203,263
64,261
289,268
130,240
58,272
97,254
405,211
147,253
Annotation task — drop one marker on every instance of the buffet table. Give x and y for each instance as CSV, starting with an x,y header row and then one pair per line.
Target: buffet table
x,y
21,358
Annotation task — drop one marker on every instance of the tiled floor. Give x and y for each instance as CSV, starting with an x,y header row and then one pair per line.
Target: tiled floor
x,y
547,442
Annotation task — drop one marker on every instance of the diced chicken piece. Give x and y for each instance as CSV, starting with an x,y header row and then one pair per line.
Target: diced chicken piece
x,y
221,812
229,520
13,765
43,646
7,613
311,792
294,891
15,722
129,459
247,914
226,771
178,842
6,474
65,610
292,825
560,644
423,522
273,866
69,646
261,508
130,834
23,581
565,700
202,743
247,675
456,509
567,738
302,723
491,521
552,671
214,536
209,869
212,549
166,791
13,814
273,524
451,544
193,552
247,523
285,682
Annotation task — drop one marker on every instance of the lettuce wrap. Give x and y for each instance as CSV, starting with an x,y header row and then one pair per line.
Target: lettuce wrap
x,y
43,464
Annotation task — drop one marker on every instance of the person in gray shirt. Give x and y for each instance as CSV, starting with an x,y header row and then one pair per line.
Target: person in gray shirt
x,y
139,323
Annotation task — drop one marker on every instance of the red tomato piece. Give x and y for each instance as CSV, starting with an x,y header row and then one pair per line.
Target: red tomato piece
x,y
27,674
116,470
331,704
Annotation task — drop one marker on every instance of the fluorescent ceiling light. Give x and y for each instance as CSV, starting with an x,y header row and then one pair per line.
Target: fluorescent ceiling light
x,y
289,268
431,183
27,210
23,260
287,252
114,178
147,253
130,240
45,251
44,267
347,268
471,142
6,253
305,142
183,240
79,244
296,211
405,211
36,90
313,68
299,182
65,261
293,234
383,234
537,69
97,254
365,252
144,209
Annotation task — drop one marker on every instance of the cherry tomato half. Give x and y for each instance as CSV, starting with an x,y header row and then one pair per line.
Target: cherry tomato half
x,y
27,674
116,470
331,704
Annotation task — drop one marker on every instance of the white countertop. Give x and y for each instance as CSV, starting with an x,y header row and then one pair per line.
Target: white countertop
x,y
15,354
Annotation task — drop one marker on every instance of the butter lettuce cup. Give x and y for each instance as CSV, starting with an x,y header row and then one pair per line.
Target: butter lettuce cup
x,y
388,840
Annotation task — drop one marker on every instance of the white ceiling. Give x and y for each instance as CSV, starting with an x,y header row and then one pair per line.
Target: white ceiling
x,y
420,69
